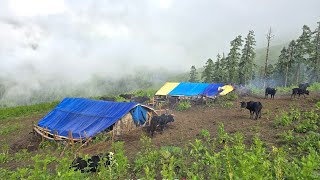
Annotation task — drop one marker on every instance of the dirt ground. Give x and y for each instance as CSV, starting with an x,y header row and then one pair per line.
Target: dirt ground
x,y
187,125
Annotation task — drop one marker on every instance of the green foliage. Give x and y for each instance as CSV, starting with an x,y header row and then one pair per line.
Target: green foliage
x,y
145,92
311,122
233,59
146,162
246,65
207,73
23,111
183,105
287,118
314,87
4,130
227,104
193,74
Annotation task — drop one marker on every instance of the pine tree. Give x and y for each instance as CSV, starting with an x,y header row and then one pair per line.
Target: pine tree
x,y
246,65
218,70
193,74
207,73
280,71
303,48
314,60
233,59
291,56
224,68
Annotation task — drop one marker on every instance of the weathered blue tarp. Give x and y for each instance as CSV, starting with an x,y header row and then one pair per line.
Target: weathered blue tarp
x,y
84,116
212,89
139,115
189,89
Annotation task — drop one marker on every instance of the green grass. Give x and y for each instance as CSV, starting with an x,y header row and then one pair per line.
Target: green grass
x,y
4,130
23,111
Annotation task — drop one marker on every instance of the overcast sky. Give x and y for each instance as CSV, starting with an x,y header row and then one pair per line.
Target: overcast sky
x,y
74,39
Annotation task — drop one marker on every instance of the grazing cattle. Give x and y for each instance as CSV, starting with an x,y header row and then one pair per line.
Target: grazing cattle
x,y
153,125
271,91
93,163
105,98
304,86
126,96
140,99
160,121
299,91
254,108
79,164
164,120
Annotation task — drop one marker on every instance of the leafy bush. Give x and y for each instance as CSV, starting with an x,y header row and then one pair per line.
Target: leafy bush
x,y
227,104
287,118
314,87
183,105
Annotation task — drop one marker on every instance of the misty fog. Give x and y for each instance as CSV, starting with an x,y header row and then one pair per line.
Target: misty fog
x,y
53,49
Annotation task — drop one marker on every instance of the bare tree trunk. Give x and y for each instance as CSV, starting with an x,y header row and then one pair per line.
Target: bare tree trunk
x,y
269,37
298,74
286,80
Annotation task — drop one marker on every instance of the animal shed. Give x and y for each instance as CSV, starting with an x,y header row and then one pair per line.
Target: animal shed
x,y
80,118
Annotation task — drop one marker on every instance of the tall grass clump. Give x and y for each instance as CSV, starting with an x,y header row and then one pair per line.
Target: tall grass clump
x,y
183,105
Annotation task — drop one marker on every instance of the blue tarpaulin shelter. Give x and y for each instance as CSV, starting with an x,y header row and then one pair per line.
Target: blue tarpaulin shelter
x,y
189,89
85,117
212,89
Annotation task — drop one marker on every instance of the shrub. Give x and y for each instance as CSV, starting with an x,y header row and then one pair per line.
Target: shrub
x,y
314,87
183,105
287,118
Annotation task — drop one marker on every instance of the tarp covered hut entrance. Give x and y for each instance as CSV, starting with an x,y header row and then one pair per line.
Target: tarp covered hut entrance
x,y
83,118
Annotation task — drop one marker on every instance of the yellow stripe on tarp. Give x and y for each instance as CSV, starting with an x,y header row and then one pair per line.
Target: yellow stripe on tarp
x,y
226,89
166,88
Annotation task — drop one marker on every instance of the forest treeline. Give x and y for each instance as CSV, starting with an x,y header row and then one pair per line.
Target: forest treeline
x,y
298,62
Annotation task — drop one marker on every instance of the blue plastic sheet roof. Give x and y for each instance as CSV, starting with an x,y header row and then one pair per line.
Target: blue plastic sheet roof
x,y
189,89
84,116
212,89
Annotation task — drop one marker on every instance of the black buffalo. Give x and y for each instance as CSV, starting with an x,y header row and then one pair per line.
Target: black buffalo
x,y
304,86
254,108
299,91
161,122
93,162
271,91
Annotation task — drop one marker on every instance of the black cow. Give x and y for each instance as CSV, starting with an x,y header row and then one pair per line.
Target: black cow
x,y
164,120
254,107
160,121
304,86
79,164
93,163
299,91
153,124
271,91
105,98
126,96
140,99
